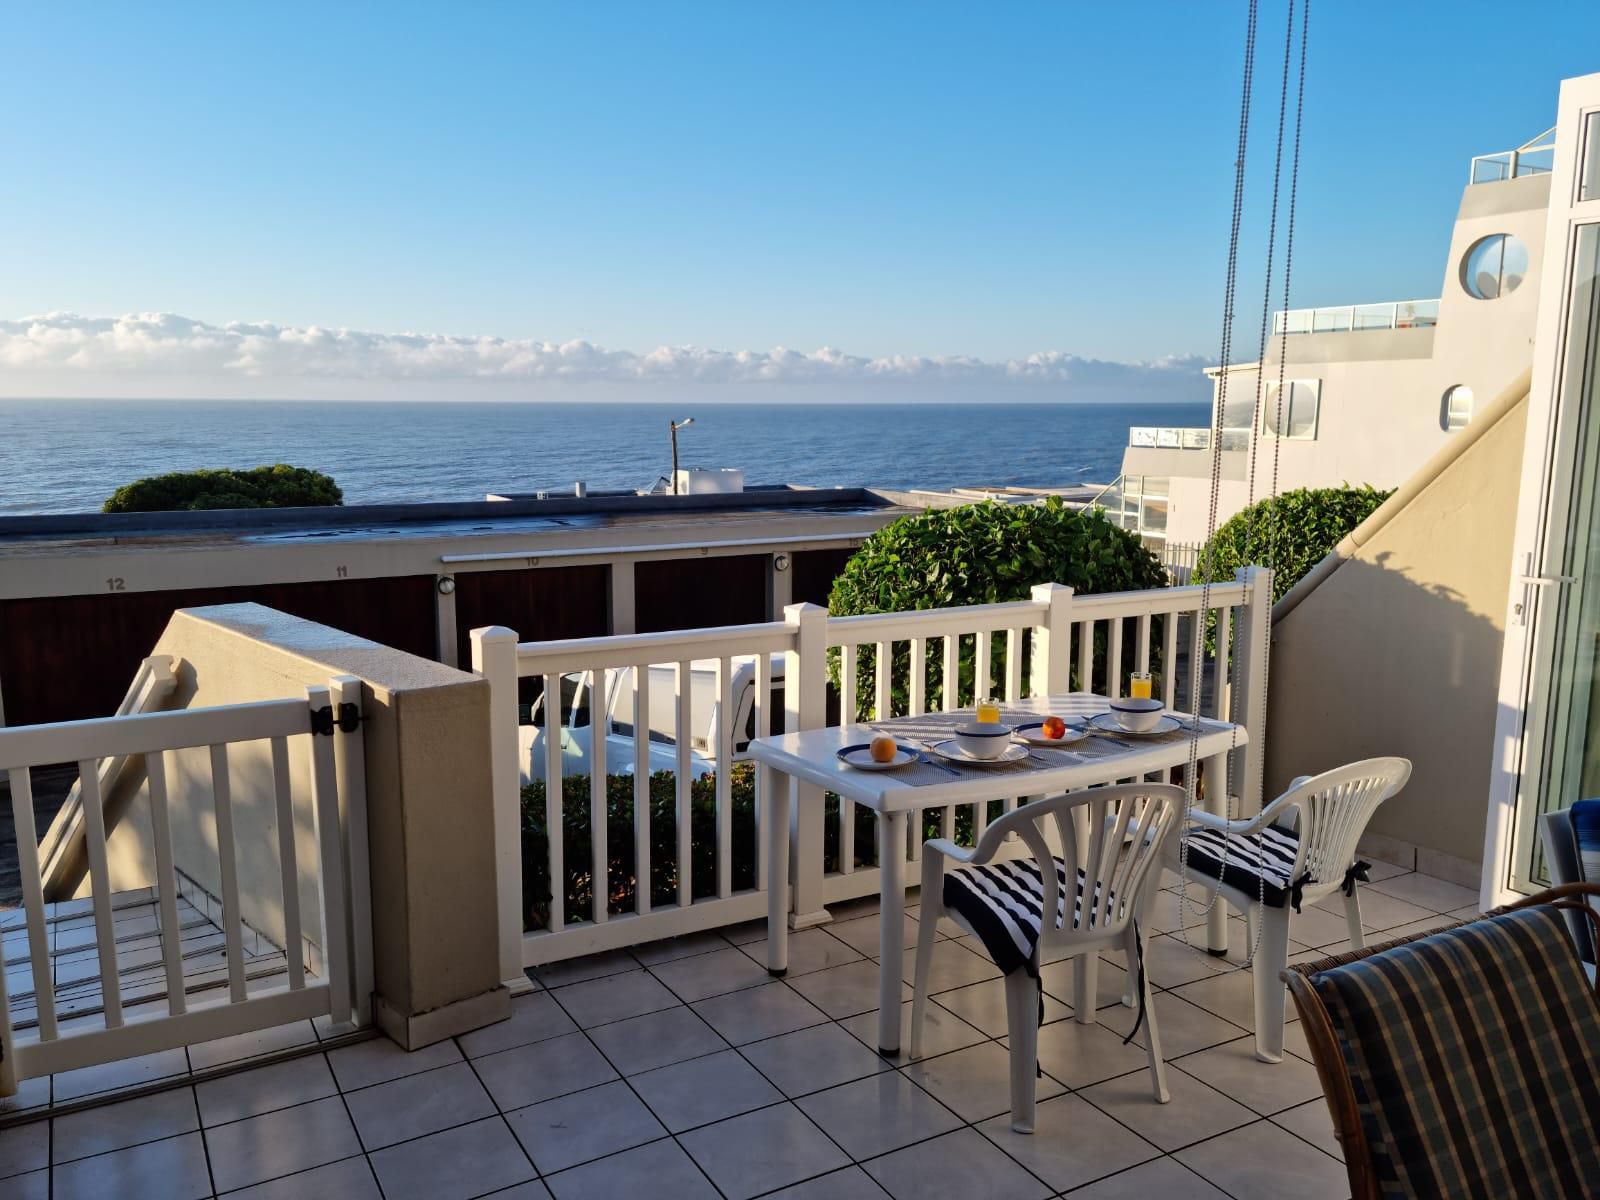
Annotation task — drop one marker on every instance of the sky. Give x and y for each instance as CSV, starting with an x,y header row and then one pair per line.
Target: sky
x,y
834,200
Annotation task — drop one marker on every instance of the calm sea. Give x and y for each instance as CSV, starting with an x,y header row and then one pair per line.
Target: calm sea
x,y
68,456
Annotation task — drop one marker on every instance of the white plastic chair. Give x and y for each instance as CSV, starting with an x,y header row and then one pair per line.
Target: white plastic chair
x,y
1099,833
1328,813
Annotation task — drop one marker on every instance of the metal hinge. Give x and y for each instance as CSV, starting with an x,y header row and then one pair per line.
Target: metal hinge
x,y
348,721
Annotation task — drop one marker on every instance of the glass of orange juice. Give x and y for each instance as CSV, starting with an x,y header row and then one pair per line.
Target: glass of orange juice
x,y
988,713
1139,685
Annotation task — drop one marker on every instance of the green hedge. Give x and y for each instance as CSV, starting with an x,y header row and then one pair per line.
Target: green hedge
x,y
577,848
984,553
277,486
1291,533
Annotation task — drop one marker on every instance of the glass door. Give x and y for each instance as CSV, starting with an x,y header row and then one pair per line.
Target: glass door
x,y
1548,731
1565,764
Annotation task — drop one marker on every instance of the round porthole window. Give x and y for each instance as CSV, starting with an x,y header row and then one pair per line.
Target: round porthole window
x,y
1493,266
1456,411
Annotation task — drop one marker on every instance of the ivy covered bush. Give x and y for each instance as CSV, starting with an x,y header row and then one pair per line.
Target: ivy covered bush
x,y
578,847
984,553
1290,533
276,486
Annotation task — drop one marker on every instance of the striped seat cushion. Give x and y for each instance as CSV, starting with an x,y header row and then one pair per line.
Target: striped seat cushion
x,y
1252,862
1003,903
1475,1055
1585,818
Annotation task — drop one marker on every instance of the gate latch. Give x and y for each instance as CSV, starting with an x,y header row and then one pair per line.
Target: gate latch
x,y
348,720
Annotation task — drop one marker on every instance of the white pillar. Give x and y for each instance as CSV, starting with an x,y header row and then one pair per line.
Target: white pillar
x,y
494,656
1052,640
805,695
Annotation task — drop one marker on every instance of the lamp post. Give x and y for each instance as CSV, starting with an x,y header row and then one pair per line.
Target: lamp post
x,y
675,426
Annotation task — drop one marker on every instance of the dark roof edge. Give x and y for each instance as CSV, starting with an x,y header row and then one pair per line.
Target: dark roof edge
x,y
120,524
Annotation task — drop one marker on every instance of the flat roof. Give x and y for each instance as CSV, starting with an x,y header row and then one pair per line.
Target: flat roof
x,y
376,522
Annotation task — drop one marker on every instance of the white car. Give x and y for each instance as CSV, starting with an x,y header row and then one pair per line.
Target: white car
x,y
705,719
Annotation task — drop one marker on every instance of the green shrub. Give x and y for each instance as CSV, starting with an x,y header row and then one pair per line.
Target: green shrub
x,y
985,553
577,846
275,486
1291,533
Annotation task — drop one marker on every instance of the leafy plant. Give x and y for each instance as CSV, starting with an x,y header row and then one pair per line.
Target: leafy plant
x,y
622,874
1290,533
986,553
276,486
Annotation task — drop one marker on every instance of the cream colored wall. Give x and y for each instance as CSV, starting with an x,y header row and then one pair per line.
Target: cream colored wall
x,y
1383,390
1397,651
429,802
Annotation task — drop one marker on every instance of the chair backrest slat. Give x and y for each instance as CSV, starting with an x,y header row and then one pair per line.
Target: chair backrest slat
x,y
1109,837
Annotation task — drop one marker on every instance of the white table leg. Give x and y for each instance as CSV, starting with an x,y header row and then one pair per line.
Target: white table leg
x,y
891,926
775,827
1217,802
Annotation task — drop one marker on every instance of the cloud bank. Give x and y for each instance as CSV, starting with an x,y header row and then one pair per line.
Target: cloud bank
x,y
64,346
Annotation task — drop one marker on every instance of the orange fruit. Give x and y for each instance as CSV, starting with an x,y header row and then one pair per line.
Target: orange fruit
x,y
883,749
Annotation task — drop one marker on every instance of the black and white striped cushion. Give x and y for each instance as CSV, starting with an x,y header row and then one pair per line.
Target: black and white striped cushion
x,y
1003,903
1252,862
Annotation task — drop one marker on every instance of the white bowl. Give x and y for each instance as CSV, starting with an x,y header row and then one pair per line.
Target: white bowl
x,y
1137,716
983,739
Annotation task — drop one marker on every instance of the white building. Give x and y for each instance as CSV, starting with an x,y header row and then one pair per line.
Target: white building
x,y
1371,389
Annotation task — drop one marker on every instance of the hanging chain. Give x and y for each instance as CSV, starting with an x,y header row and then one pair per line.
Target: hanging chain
x,y
1275,519
1219,421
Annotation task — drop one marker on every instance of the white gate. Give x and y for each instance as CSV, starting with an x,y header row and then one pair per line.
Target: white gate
x,y
323,966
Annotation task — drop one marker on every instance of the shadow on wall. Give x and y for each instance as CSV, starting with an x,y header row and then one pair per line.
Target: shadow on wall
x,y
1374,662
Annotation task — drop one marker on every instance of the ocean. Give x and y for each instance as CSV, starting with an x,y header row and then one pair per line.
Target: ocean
x,y
68,455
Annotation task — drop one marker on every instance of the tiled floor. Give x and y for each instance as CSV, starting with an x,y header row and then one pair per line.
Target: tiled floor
x,y
683,1070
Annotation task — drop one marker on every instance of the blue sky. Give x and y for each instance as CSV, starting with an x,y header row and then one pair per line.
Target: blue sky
x,y
984,180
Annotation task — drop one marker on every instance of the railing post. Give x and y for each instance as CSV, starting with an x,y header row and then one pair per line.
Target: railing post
x,y
494,656
805,706
8,1049
1251,651
350,760
1051,670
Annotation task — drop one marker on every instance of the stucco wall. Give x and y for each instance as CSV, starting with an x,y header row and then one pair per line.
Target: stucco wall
x,y
1397,651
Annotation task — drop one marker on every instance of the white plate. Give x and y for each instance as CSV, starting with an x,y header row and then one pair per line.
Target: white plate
x,y
1108,723
1030,733
951,751
860,757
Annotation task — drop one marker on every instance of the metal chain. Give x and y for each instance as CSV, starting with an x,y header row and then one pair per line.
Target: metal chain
x,y
1275,521
1230,290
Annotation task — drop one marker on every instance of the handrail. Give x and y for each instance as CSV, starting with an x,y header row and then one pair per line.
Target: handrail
x,y
1486,419
153,683
646,649
933,622
146,733
1359,318
1511,161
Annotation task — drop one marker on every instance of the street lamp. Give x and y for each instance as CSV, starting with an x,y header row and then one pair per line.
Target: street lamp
x,y
675,426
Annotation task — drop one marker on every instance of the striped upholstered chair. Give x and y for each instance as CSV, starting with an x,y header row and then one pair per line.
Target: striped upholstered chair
x,y
1463,1062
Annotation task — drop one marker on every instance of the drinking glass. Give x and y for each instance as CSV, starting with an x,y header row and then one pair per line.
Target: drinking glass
x,y
1139,685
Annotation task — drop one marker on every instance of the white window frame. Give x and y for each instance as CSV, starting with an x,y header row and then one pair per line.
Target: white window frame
x,y
1269,406
1449,407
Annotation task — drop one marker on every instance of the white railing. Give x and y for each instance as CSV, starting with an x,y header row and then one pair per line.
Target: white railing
x,y
885,665
50,1029
1356,318
1166,437
1536,156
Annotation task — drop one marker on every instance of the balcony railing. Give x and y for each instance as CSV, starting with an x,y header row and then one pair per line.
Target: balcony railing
x,y
1178,438
1534,157
655,848
1356,318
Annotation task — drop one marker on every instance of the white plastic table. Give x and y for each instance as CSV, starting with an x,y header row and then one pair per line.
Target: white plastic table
x,y
810,755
